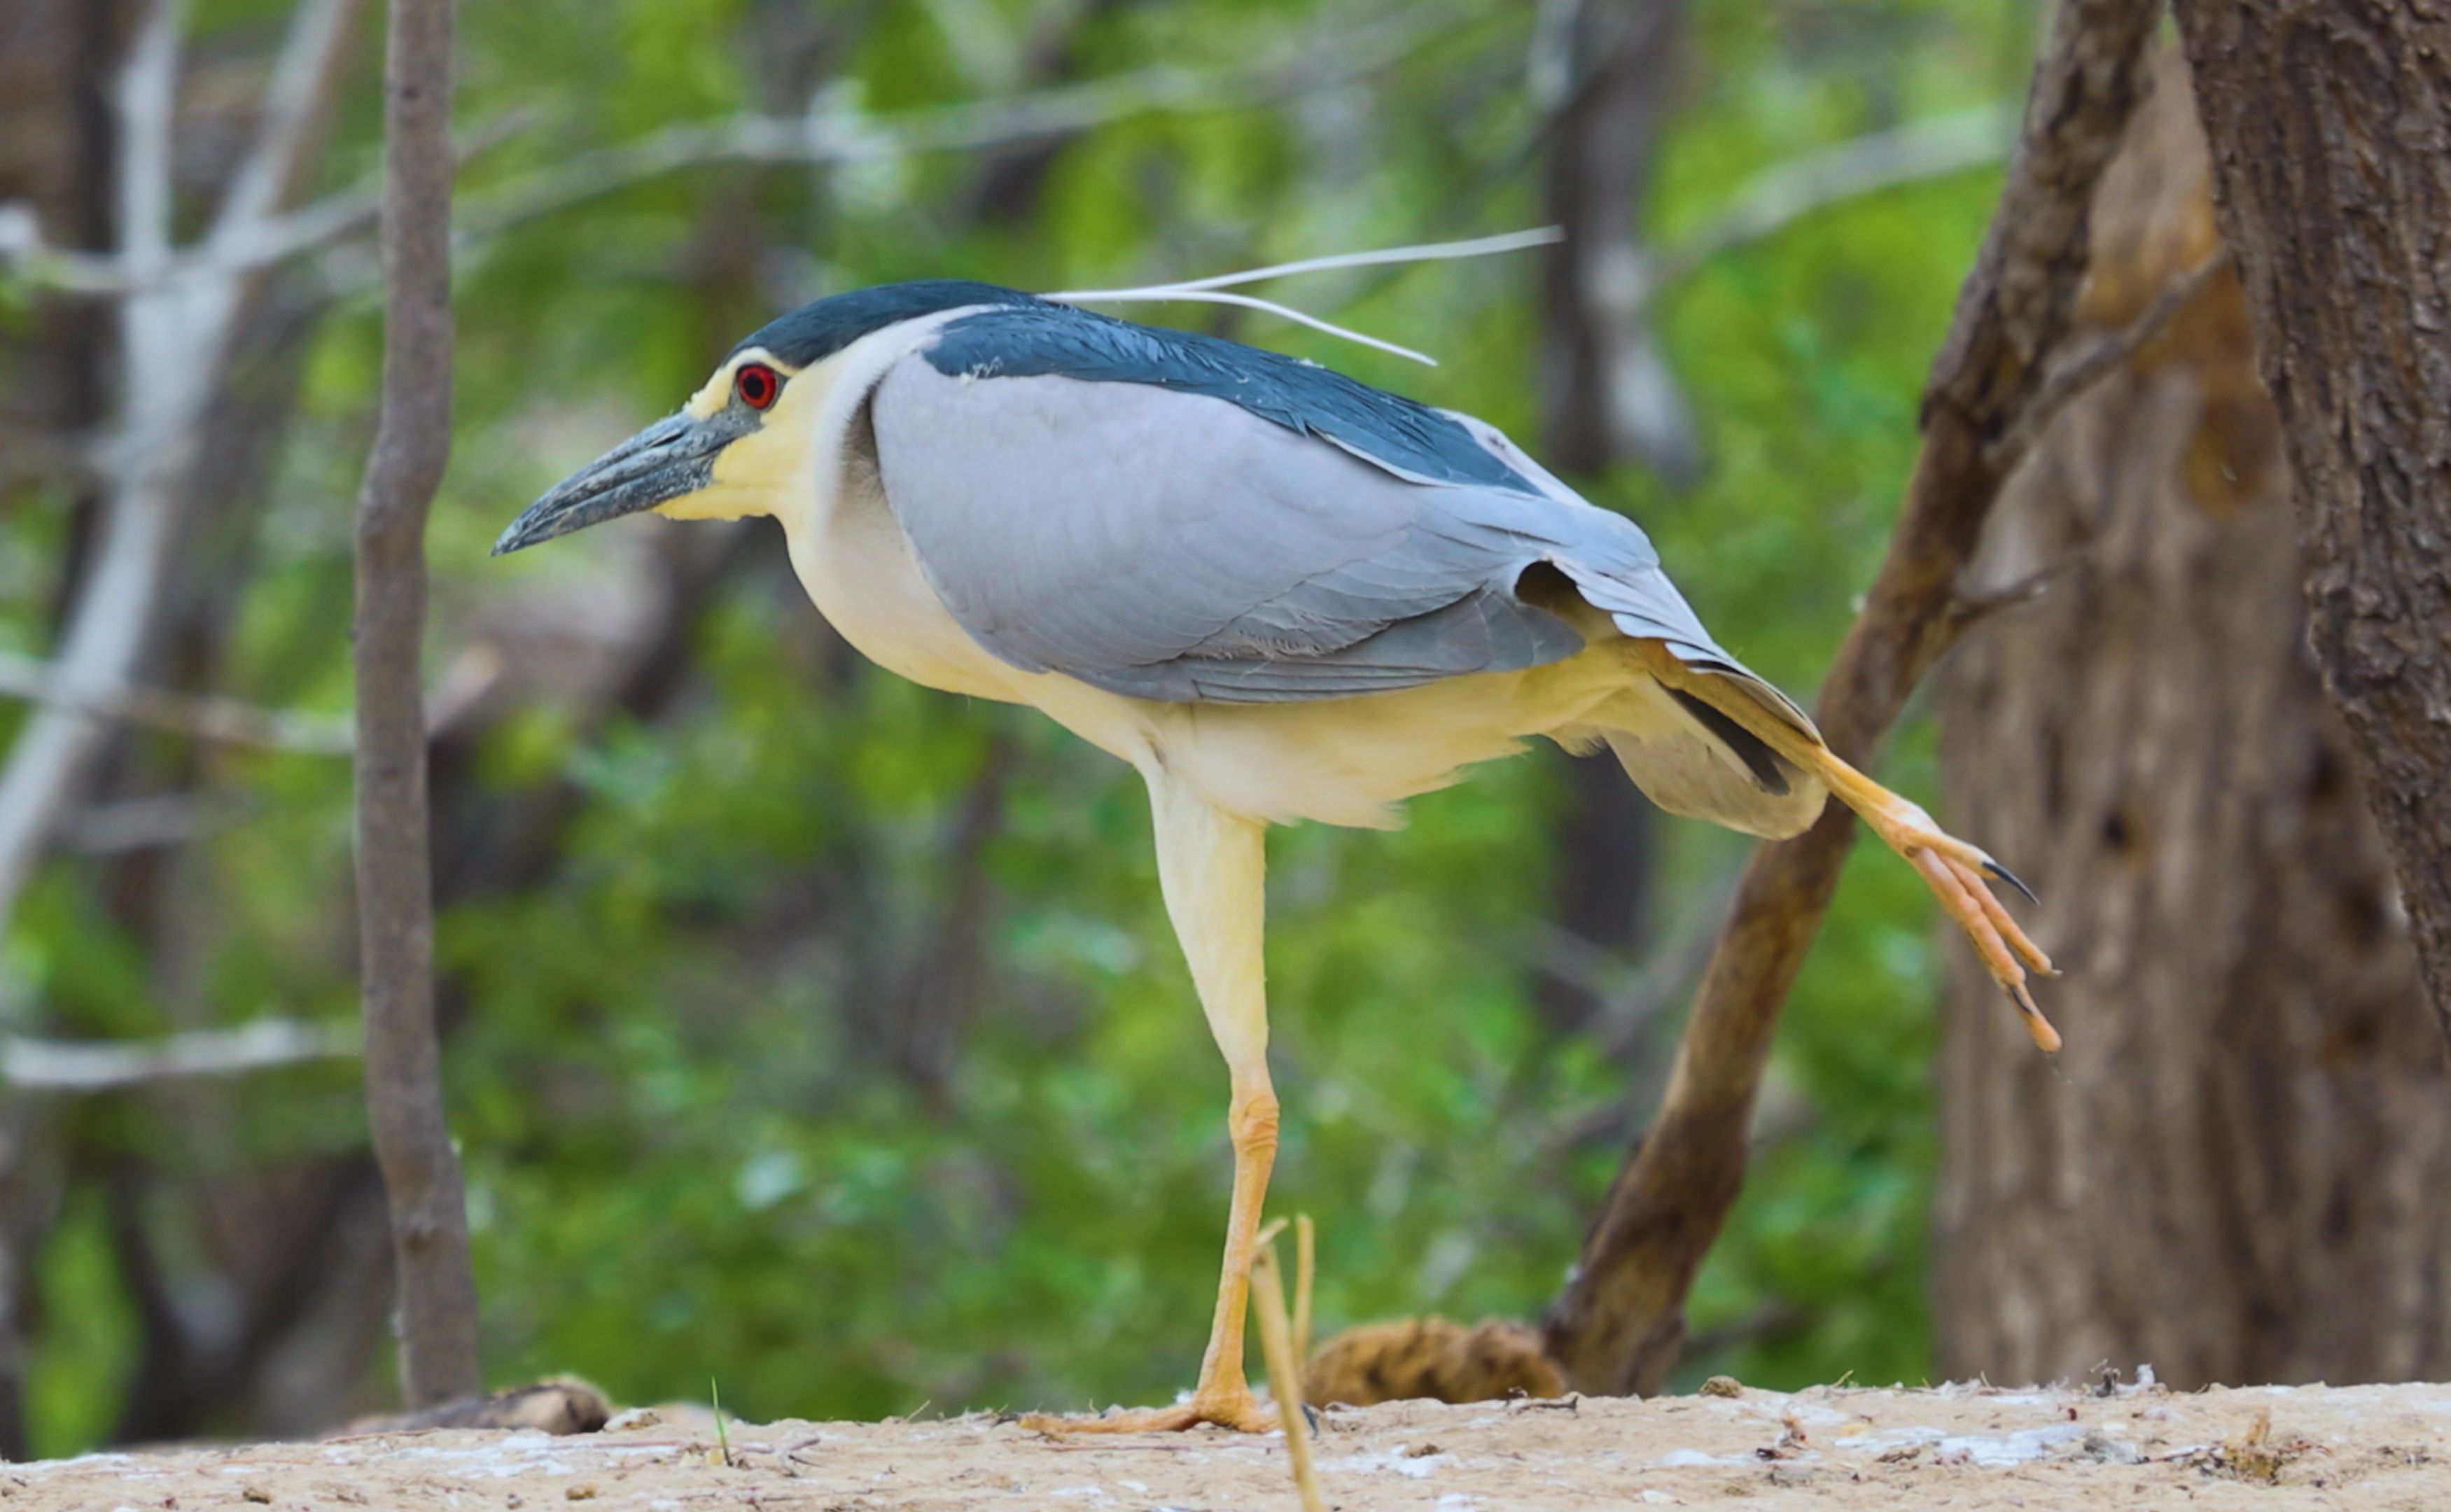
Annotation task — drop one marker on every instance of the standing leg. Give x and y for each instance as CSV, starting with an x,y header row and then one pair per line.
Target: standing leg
x,y
1211,866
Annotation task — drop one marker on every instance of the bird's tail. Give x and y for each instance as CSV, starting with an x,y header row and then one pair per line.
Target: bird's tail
x,y
1693,760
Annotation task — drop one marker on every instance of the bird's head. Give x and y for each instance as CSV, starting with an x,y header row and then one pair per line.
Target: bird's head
x,y
720,457
742,439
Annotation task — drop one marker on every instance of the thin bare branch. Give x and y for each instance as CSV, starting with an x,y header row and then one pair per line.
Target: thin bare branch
x,y
146,101
1618,1323
302,81
96,1066
1966,610
235,251
234,721
245,249
171,350
143,823
821,138
203,717
253,245
1822,180
436,1315
174,340
1816,181
2070,379
1648,995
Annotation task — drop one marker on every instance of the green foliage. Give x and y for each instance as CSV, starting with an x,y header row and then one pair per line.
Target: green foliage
x,y
686,1153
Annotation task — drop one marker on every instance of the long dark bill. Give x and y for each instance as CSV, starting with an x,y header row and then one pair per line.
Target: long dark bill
x,y
673,457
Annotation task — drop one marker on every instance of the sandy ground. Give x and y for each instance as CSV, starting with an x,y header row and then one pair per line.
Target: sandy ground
x,y
2363,1447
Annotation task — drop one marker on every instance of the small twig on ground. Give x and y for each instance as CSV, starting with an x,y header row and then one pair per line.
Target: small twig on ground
x,y
1521,1401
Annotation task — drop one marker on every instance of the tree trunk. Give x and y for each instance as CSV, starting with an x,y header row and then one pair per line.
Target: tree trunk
x,y
2239,1177
2331,134
57,57
437,1292
1606,399
1607,396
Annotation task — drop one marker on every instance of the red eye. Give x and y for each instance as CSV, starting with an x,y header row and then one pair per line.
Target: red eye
x,y
756,384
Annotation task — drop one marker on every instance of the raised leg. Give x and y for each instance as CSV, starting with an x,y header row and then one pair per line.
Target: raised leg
x,y
1212,866
1954,871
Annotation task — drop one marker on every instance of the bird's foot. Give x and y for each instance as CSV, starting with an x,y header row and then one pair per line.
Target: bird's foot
x,y
1956,873
1225,1406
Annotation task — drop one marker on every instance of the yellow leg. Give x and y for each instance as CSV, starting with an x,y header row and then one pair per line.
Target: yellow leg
x,y
1212,866
1954,871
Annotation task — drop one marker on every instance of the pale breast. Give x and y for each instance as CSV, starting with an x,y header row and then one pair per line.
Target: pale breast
x,y
858,569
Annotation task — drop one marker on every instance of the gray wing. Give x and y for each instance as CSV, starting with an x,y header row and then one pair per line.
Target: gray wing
x,y
1175,546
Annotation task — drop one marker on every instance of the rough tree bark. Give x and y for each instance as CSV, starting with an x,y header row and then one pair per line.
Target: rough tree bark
x,y
437,1324
2331,128
1618,1324
2253,1124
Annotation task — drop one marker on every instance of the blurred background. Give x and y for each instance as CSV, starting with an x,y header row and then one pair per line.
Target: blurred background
x,y
824,1036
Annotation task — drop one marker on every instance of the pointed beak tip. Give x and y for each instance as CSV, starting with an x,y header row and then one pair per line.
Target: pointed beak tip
x,y
517,536
671,458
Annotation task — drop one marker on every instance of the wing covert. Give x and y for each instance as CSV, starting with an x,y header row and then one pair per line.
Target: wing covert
x,y
1185,538
1173,546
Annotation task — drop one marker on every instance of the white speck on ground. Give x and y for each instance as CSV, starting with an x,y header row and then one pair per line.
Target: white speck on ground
x,y
2349,1449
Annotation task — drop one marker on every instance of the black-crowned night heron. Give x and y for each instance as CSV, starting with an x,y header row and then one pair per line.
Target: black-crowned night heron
x,y
1278,593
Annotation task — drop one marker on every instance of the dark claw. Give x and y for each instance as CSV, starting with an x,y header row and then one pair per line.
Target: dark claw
x,y
1310,1415
2001,874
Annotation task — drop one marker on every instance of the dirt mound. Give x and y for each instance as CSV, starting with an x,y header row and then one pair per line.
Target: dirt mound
x,y
2362,1447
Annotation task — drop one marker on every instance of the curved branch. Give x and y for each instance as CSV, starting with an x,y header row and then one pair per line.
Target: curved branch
x,y
1619,1323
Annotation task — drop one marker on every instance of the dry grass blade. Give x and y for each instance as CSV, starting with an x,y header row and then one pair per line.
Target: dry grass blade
x,y
1306,1271
1284,1373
